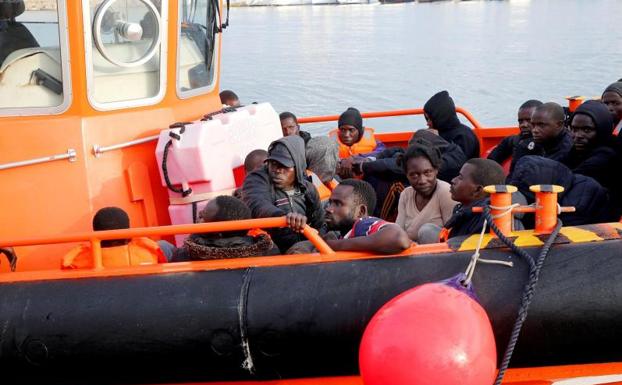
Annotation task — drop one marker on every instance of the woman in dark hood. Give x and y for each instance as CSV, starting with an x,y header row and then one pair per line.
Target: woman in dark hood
x,y
440,114
591,128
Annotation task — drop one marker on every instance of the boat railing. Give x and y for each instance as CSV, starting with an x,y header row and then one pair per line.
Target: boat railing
x,y
69,155
95,237
99,150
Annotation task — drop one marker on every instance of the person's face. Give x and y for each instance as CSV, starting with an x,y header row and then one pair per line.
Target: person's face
x,y
463,189
289,127
544,127
583,132
341,211
524,120
421,175
428,121
614,103
282,177
348,134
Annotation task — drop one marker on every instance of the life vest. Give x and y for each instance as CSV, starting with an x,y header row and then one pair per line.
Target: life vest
x,y
139,251
365,145
323,189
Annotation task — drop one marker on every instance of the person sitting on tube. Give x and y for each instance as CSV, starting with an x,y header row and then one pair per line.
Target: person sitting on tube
x,y
468,190
347,213
229,244
280,188
115,252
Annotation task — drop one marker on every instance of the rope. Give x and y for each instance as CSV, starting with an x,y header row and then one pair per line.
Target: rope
x,y
167,147
221,111
10,256
529,290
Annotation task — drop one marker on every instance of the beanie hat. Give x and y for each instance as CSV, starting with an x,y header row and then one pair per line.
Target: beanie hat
x,y
352,117
614,87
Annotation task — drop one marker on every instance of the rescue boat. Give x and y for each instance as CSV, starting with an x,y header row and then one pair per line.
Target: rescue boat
x,y
114,103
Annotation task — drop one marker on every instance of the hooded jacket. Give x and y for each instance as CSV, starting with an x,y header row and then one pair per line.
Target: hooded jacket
x,y
442,111
387,164
588,197
598,160
261,196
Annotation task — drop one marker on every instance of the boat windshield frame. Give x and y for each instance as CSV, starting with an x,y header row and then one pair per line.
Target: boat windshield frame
x,y
189,93
63,41
89,48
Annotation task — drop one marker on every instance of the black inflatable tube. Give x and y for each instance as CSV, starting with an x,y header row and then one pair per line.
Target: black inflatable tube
x,y
290,321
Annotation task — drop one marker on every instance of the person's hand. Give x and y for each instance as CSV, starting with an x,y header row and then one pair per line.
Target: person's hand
x,y
344,169
296,221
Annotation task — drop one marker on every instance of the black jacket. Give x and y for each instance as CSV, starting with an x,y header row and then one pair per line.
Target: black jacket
x,y
588,197
465,222
505,149
261,196
600,159
557,148
387,165
442,111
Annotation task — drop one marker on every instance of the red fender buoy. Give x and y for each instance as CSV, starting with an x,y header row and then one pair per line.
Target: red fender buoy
x,y
429,335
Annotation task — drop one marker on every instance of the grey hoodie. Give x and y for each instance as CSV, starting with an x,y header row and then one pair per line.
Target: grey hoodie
x,y
261,196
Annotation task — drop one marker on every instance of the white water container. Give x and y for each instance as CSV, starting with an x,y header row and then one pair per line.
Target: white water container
x,y
209,155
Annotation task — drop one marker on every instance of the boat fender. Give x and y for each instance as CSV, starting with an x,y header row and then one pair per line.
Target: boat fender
x,y
432,326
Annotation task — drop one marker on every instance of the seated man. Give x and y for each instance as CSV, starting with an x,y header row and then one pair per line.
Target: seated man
x,y
253,161
322,159
468,190
440,114
505,149
115,252
232,244
592,153
228,98
356,143
551,139
612,97
348,212
585,194
281,188
290,126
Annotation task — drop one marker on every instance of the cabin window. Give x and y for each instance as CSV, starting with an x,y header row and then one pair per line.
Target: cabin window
x,y
197,46
34,69
125,52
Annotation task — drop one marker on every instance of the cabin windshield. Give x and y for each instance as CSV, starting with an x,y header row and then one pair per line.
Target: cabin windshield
x,y
32,53
197,46
124,45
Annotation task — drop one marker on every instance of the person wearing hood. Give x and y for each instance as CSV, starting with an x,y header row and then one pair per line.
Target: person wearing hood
x,y
589,198
322,154
612,97
280,188
550,139
505,149
592,154
440,114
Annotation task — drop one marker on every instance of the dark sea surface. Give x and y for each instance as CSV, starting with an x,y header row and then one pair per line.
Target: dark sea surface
x,y
490,55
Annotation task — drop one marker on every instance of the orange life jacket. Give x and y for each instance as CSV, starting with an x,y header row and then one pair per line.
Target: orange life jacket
x,y
366,145
323,190
139,251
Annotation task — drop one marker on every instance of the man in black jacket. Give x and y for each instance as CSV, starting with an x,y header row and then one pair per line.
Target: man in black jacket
x,y
505,149
440,114
551,139
280,188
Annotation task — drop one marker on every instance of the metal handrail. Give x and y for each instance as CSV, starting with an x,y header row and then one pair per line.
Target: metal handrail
x,y
70,154
99,150
95,237
386,114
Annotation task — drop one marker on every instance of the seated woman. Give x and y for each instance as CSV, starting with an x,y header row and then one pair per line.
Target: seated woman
x,y
115,252
427,199
231,244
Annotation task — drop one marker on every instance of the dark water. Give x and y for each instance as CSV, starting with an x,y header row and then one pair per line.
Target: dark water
x,y
490,55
